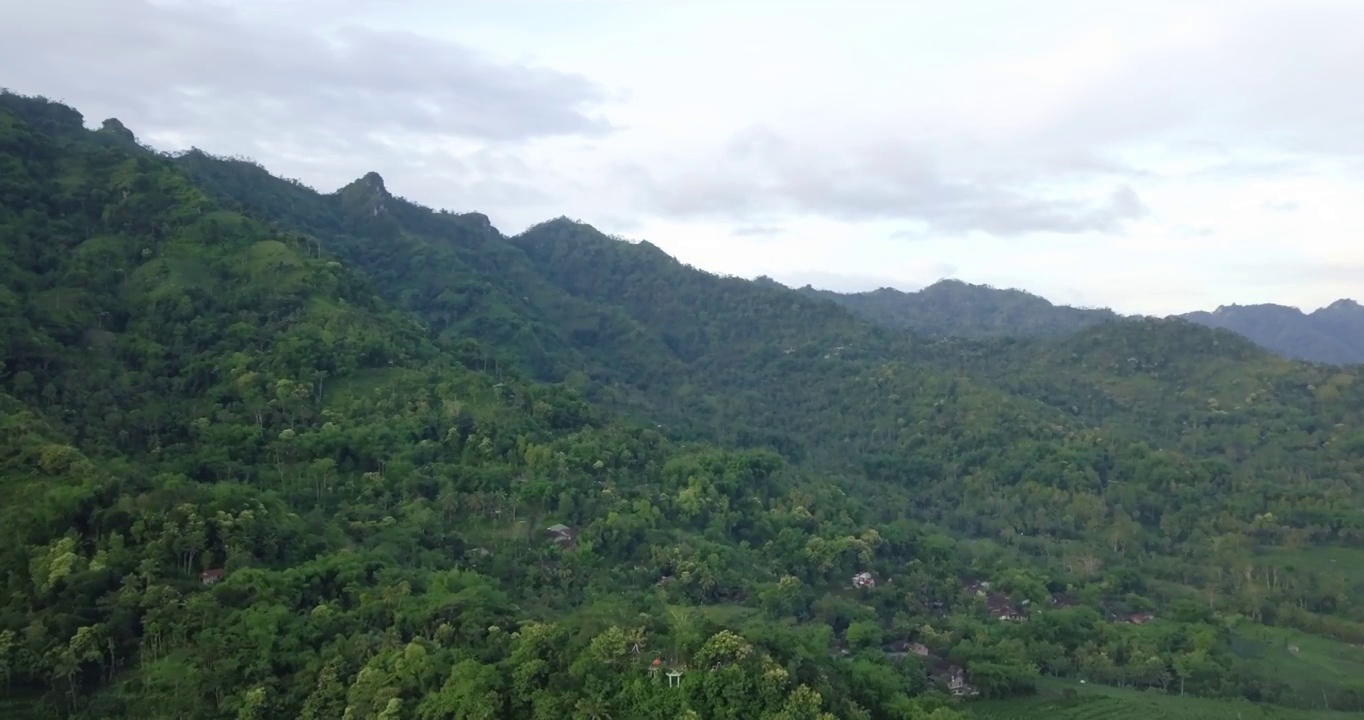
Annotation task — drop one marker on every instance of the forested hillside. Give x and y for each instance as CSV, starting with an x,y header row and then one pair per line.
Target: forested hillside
x,y
1333,334
271,453
951,308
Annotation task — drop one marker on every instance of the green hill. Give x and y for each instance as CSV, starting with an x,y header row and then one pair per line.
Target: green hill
x,y
272,453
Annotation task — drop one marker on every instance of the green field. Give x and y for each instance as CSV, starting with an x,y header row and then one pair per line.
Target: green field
x,y
1098,702
1315,668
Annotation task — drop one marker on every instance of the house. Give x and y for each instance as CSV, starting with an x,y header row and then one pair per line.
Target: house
x,y
902,648
954,677
957,685
563,535
1062,600
863,580
212,576
1140,618
1002,609
979,588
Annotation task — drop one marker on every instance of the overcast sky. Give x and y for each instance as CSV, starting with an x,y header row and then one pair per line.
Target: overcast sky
x,y
1152,157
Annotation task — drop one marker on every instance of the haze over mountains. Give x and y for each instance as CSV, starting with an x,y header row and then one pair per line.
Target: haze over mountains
x,y
948,308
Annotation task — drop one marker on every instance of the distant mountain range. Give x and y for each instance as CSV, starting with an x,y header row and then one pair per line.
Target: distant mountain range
x,y
1333,334
952,308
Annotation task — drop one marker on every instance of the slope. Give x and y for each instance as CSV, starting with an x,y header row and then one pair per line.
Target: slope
x,y
237,484
1332,334
987,439
414,254
454,270
769,365
394,497
1150,435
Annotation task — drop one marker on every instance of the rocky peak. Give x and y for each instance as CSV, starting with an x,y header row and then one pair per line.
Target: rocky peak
x,y
1343,305
113,126
367,192
374,182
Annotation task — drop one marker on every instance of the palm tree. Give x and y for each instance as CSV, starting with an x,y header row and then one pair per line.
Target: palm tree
x,y
592,708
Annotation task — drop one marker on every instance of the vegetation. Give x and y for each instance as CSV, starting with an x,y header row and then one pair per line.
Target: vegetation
x,y
269,453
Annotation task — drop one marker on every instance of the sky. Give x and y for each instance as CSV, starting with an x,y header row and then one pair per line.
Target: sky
x,y
1153,157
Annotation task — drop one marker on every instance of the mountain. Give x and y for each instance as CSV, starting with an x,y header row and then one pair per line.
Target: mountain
x,y
238,483
1333,334
454,270
952,308
275,453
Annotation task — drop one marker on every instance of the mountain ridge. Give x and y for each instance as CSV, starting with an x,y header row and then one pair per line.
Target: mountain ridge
x,y
1331,334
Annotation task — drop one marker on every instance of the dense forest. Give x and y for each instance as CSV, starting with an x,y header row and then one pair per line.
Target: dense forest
x,y
950,308
273,453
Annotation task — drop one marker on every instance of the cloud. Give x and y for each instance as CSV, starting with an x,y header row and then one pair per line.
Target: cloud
x,y
761,175
1331,274
757,231
1189,232
321,102
1256,74
1067,138
924,274
1280,206
191,65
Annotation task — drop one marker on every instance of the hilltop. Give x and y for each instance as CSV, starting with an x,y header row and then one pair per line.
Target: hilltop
x,y
271,452
952,308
